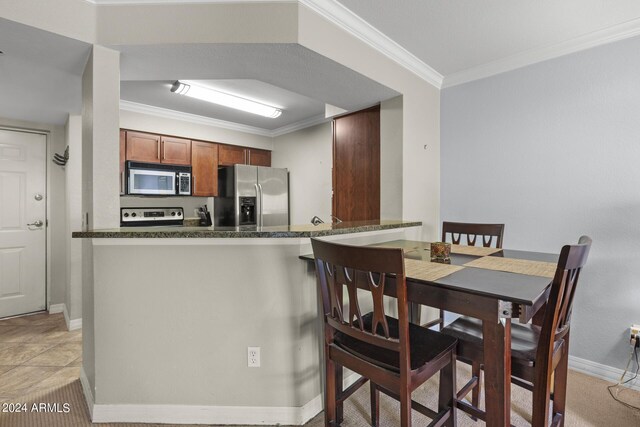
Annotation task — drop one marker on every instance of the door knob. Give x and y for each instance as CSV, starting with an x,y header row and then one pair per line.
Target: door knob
x,y
37,223
38,197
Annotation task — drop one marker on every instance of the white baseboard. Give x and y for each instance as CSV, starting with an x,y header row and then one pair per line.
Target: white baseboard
x,y
86,390
72,324
603,372
192,414
56,308
195,414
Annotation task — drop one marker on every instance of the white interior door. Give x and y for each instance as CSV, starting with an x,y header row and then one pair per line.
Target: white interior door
x,y
22,222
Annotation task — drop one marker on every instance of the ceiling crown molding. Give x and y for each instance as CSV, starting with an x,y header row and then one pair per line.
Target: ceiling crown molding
x,y
362,30
533,56
191,118
208,121
302,124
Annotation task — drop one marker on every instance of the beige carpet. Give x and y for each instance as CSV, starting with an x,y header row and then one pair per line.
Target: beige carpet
x,y
588,402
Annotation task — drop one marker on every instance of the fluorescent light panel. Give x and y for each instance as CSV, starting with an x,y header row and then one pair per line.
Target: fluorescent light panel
x,y
225,99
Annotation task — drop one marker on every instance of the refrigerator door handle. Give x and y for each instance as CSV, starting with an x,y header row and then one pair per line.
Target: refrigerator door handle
x,y
258,205
261,206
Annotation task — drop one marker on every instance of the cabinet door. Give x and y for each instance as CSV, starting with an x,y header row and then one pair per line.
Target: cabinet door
x,y
204,169
259,157
143,147
229,155
176,151
123,154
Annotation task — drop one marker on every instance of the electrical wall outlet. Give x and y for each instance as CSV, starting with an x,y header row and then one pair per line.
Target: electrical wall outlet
x,y
635,332
253,357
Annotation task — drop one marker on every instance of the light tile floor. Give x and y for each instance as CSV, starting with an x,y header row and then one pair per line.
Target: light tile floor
x,y
37,353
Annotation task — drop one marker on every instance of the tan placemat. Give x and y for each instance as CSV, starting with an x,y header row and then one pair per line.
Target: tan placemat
x,y
512,265
473,250
426,270
407,250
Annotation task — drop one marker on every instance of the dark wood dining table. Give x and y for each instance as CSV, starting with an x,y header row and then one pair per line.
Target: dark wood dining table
x,y
493,296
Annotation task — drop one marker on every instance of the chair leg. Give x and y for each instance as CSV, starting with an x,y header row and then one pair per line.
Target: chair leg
x,y
441,320
375,404
475,393
405,408
541,398
339,406
560,386
330,392
447,390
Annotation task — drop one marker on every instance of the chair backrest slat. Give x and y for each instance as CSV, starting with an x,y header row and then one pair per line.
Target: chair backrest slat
x,y
491,233
361,268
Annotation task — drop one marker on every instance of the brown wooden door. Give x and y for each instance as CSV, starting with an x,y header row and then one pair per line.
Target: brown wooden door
x,y
204,168
123,154
176,151
259,157
356,166
229,155
143,147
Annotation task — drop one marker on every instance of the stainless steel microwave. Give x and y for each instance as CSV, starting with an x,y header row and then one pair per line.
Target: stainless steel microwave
x,y
151,179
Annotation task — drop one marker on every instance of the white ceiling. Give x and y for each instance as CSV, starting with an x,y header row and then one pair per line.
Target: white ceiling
x,y
459,39
40,74
452,36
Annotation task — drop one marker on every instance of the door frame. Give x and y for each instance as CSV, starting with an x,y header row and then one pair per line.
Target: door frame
x,y
47,238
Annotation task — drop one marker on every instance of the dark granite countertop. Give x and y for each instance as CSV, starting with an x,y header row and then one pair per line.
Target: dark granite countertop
x,y
299,231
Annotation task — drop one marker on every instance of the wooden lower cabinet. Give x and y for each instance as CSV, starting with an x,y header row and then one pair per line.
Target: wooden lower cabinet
x,y
204,169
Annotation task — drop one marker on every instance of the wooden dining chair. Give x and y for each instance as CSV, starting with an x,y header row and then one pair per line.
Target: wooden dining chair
x,y
393,354
537,352
491,235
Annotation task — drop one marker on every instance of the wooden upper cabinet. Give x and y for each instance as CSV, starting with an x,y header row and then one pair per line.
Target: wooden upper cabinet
x,y
143,147
175,151
229,155
123,145
204,169
259,157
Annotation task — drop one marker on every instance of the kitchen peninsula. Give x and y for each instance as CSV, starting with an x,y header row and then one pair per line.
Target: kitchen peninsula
x,y
175,309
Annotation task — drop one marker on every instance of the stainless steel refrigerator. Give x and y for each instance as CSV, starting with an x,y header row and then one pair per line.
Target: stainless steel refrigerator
x,y
252,195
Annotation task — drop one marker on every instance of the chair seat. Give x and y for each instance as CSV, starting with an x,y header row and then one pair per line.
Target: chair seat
x,y
425,345
524,337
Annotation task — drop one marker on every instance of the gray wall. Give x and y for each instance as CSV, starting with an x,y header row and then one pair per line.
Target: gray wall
x,y
307,154
552,151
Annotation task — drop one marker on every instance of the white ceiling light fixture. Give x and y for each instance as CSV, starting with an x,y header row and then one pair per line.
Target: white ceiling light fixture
x,y
225,99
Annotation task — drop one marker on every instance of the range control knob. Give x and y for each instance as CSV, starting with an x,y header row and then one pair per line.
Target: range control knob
x,y
134,214
173,214
126,215
179,213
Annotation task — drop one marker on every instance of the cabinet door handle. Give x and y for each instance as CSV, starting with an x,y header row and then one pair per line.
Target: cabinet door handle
x,y
159,144
193,191
122,182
